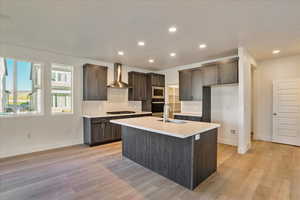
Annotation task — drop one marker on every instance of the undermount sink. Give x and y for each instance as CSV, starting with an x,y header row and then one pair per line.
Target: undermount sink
x,y
176,121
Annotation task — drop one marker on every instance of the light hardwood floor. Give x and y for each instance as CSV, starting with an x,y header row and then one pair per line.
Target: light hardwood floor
x,y
268,171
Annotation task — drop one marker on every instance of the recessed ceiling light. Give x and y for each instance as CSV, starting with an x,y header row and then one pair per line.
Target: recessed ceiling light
x,y
151,60
172,29
172,54
121,53
276,51
202,46
141,43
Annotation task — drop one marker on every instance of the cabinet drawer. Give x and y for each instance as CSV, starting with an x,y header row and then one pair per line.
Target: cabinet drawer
x,y
189,118
98,120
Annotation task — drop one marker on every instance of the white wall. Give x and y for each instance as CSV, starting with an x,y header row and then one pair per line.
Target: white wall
x,y
284,68
225,110
224,103
191,107
35,133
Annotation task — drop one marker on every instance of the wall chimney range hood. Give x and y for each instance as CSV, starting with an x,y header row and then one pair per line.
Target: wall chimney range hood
x,y
118,83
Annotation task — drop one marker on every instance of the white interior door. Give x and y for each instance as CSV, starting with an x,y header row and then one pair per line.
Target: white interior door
x,y
286,112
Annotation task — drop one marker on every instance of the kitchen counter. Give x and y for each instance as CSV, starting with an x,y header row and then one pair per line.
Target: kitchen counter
x,y
180,130
185,153
104,115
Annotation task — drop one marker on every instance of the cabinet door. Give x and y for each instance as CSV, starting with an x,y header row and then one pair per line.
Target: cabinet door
x,y
94,82
161,80
154,80
197,84
210,75
97,132
142,87
185,85
228,73
108,133
116,131
137,86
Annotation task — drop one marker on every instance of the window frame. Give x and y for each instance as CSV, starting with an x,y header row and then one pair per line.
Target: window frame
x,y
15,82
72,88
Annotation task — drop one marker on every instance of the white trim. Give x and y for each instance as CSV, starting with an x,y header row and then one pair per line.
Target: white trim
x,y
77,141
228,141
14,115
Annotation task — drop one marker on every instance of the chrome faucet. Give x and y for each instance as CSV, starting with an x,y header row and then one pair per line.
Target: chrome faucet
x,y
166,112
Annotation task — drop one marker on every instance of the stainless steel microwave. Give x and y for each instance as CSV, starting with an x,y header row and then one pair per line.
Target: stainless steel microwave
x,y
158,92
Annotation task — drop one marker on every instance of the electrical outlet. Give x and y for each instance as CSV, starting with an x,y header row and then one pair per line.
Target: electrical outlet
x,y
28,135
197,137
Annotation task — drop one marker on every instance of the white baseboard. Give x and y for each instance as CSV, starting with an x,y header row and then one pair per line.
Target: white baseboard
x,y
229,141
40,148
267,138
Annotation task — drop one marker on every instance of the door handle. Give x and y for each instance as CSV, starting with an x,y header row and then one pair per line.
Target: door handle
x,y
274,114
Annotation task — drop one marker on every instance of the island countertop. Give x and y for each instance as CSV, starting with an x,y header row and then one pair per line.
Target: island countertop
x,y
154,124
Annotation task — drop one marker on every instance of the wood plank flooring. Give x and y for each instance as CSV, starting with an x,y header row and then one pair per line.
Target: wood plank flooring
x,y
268,171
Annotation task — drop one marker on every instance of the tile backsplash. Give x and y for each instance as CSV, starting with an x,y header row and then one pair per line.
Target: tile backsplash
x,y
117,100
191,107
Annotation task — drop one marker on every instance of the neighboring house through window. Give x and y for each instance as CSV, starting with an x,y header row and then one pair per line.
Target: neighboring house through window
x,y
20,87
62,88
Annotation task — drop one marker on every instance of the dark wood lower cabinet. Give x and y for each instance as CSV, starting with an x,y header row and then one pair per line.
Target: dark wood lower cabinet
x,y
186,161
100,130
188,117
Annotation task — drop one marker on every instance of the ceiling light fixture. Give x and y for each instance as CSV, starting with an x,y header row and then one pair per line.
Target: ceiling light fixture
x,y
141,43
172,54
151,60
172,29
121,53
276,51
202,46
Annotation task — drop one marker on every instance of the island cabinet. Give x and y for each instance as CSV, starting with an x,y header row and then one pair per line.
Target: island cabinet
x,y
137,83
186,161
94,82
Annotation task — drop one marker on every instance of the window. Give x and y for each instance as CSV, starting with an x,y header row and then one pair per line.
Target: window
x,y
20,87
62,89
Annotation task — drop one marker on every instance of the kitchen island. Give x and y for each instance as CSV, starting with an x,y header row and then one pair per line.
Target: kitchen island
x,y
183,151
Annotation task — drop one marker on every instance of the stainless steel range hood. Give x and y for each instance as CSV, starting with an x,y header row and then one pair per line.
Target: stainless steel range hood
x,y
118,83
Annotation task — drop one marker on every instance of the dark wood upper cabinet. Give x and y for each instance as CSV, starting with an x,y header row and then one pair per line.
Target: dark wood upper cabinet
x,y
94,82
228,72
192,81
137,83
157,80
210,75
197,84
185,85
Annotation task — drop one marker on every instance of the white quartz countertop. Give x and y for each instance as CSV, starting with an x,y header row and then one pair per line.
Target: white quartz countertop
x,y
153,124
103,115
189,114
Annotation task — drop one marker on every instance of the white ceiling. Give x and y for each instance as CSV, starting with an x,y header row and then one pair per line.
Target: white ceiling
x,y
99,28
